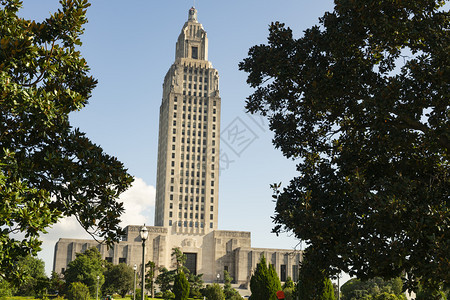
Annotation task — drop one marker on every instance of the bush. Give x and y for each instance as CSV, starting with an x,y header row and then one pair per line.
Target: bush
x,y
214,292
138,295
78,291
5,289
168,295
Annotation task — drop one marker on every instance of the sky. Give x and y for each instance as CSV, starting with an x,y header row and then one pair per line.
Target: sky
x,y
129,46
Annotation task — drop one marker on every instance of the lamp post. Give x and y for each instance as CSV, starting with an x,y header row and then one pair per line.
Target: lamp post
x,y
144,236
134,282
218,277
96,296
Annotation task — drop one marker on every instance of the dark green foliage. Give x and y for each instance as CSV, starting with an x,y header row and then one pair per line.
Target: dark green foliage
x,y
313,284
387,296
78,291
179,259
263,284
195,285
289,293
432,295
165,278
36,281
181,287
149,277
49,170
361,102
85,268
118,279
275,283
168,295
139,295
214,292
289,283
228,290
6,289
56,285
289,289
372,288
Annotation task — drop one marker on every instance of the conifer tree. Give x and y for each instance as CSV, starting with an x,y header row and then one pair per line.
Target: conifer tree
x,y
261,283
181,287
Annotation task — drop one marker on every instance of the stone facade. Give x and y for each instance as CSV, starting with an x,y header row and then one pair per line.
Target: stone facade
x,y
209,254
186,210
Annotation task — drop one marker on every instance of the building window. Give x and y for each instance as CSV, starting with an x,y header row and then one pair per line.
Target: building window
x,y
122,260
108,259
170,222
283,273
210,225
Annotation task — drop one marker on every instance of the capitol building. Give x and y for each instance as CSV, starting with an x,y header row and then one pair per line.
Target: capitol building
x,y
187,188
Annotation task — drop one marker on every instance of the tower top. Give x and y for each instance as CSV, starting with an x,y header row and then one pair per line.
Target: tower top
x,y
192,14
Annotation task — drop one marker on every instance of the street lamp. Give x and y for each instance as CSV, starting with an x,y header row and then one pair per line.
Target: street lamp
x,y
144,236
218,277
98,277
134,282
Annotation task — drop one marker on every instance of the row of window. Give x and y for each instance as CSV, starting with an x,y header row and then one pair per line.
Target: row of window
x,y
191,198
192,182
191,215
195,71
194,86
194,78
194,117
194,109
183,124
192,174
190,224
194,100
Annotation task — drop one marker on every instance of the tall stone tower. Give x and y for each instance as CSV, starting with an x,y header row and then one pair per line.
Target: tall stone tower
x,y
187,185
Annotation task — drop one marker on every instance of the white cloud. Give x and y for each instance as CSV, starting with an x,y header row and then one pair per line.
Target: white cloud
x,y
138,201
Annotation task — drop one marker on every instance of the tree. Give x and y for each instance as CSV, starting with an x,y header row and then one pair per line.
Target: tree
x,y
56,285
181,287
372,288
195,284
48,170
36,281
179,259
165,279
118,279
78,291
214,292
149,276
85,268
228,290
289,289
361,102
261,283
313,284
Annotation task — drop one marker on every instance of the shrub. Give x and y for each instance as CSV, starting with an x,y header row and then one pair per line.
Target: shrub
x,y
214,292
168,295
78,291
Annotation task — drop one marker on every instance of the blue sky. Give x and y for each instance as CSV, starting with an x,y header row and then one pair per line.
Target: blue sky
x,y
129,47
